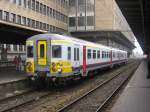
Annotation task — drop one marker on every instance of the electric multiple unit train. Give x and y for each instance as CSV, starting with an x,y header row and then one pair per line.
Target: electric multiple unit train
x,y
54,56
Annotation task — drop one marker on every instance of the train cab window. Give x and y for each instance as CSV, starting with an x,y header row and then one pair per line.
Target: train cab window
x,y
89,54
30,51
94,54
98,54
56,51
69,53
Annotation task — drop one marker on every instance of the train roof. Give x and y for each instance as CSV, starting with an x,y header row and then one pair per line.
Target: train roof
x,y
53,36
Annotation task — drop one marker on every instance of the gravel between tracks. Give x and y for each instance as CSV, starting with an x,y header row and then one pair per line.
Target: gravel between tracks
x,y
91,102
58,99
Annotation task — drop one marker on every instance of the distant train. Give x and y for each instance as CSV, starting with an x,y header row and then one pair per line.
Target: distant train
x,y
54,57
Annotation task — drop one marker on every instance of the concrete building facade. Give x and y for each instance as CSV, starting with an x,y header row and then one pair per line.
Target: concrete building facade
x,y
35,15
40,15
101,19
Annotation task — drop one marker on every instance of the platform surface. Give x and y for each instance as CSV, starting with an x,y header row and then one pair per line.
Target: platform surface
x,y
136,96
11,75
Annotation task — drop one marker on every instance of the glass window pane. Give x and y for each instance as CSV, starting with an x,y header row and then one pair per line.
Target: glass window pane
x,y
56,51
81,21
72,22
29,51
90,20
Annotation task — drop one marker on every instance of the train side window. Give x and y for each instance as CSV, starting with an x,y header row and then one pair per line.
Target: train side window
x,y
94,54
89,54
75,52
69,53
56,51
30,51
98,54
107,54
78,54
102,54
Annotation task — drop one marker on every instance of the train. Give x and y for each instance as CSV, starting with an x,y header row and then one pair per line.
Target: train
x,y
54,57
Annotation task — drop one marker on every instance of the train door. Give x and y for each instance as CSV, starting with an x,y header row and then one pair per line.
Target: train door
x,y
110,55
84,60
76,61
42,52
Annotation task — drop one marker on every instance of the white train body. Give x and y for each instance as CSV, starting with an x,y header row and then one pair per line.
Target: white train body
x,y
59,56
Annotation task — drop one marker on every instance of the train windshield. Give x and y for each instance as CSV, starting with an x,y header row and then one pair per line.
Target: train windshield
x,y
30,51
56,51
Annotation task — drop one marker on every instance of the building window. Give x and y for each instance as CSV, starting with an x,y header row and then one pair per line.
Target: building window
x,y
15,47
44,9
72,3
13,18
1,14
33,23
37,6
72,21
37,24
6,16
90,21
8,47
41,8
24,20
19,2
18,19
33,4
51,14
25,3
20,48
81,21
48,11
29,4
28,22
44,26
47,27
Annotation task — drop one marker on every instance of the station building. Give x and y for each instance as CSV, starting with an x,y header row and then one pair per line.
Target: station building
x,y
99,21
36,15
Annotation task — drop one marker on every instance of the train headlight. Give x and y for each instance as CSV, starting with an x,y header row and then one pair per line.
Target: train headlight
x,y
29,66
59,68
54,67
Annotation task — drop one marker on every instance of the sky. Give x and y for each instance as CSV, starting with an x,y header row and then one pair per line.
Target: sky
x,y
138,48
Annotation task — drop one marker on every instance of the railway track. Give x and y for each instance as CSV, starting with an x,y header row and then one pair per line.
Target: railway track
x,y
81,103
13,102
27,98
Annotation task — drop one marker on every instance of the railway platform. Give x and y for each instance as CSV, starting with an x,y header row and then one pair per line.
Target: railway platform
x,y
136,95
7,76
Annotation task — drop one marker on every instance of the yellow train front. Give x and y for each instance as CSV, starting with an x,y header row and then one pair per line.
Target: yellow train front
x,y
46,57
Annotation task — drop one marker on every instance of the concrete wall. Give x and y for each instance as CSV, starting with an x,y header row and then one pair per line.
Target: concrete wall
x,y
108,16
20,10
